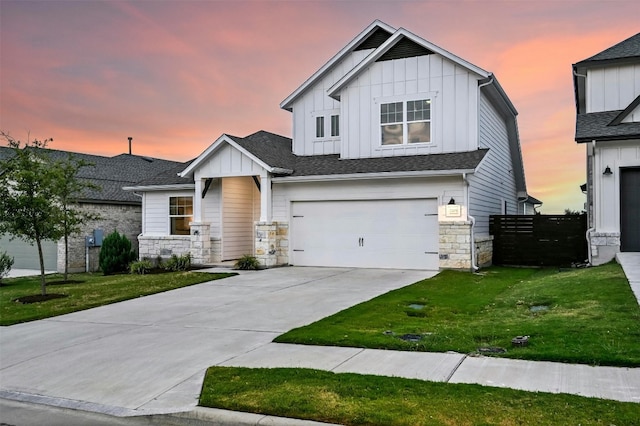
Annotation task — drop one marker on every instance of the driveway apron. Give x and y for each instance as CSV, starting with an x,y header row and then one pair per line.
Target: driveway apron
x,y
149,355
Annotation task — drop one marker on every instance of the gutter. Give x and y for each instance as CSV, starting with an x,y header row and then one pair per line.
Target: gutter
x,y
378,175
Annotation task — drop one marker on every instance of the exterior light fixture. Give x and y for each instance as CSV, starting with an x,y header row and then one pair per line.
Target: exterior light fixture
x,y
607,171
452,201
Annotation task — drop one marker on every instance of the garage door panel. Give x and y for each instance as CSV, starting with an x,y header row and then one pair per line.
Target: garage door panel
x,y
25,255
366,233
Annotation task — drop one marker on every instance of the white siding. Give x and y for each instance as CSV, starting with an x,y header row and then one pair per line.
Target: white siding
x,y
607,188
612,88
227,161
212,208
442,189
316,101
238,215
156,211
494,183
453,91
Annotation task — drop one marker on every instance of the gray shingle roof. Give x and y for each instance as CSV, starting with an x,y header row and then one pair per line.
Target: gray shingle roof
x,y
110,174
597,125
629,48
275,151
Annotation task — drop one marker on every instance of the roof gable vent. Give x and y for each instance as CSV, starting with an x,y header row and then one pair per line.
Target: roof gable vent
x,y
375,40
405,48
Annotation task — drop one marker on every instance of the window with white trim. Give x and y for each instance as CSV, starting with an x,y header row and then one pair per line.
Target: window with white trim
x,y
180,214
320,127
335,125
405,122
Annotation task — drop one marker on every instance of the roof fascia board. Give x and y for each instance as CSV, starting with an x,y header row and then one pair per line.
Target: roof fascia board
x,y
148,188
214,147
387,45
287,103
609,138
379,175
499,94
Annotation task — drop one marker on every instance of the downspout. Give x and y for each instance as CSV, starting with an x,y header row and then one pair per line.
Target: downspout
x,y
472,219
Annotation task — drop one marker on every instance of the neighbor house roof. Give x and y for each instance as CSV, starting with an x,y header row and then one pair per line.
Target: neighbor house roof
x,y
109,174
625,52
602,126
629,48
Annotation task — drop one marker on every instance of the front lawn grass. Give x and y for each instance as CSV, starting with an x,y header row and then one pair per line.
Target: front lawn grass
x,y
353,399
87,291
587,316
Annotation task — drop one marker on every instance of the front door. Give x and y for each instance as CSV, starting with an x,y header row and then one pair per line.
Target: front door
x,y
630,209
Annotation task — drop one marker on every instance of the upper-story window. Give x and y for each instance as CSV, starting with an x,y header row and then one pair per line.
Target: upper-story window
x,y
335,125
405,122
320,127
180,214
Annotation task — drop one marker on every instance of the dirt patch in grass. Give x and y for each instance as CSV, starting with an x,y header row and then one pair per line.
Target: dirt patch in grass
x,y
37,298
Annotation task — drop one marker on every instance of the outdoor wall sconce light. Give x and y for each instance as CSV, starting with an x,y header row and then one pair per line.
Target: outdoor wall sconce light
x,y
607,171
452,201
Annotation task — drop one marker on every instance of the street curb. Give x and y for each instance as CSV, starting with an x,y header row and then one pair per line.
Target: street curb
x,y
218,417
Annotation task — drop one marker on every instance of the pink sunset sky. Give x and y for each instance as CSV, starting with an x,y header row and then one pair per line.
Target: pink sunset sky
x,y
175,75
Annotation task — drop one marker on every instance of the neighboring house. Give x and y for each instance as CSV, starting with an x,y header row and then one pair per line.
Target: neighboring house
x,y
117,209
400,152
607,91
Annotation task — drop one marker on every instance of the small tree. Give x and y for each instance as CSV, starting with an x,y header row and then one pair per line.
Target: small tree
x,y
6,262
28,207
116,254
68,188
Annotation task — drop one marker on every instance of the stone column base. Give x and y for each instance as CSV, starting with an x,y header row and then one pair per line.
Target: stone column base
x,y
200,243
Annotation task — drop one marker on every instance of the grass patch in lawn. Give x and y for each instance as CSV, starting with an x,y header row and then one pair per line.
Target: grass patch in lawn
x,y
84,291
587,316
353,399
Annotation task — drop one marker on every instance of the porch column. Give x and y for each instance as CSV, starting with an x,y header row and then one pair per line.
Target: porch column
x,y
265,197
197,202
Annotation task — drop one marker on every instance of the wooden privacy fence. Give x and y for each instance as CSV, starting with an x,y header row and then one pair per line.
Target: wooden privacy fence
x,y
538,240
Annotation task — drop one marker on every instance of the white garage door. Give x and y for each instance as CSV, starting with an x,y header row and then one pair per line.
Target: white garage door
x,y
399,234
25,255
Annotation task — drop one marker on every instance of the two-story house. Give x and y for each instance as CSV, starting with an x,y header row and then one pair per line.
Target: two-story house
x,y
400,152
607,93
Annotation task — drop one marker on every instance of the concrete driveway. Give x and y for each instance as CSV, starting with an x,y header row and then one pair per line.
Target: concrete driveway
x,y
149,355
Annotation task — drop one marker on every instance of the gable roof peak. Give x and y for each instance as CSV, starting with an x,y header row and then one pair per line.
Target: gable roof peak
x,y
370,30
626,49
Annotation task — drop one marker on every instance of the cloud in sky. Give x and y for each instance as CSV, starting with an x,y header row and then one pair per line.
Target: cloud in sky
x,y
175,75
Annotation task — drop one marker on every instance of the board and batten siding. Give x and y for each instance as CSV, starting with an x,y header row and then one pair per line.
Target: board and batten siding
x,y
607,191
451,88
612,88
227,161
441,188
493,183
315,101
239,213
156,210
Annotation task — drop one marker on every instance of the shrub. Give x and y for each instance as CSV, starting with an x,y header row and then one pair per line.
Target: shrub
x,y
247,262
141,267
178,263
6,262
116,254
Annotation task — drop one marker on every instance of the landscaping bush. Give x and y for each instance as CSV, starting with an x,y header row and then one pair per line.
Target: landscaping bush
x,y
116,254
6,262
141,267
178,263
247,262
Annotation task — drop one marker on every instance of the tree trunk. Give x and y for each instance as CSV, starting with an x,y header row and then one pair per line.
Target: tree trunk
x,y
66,256
43,284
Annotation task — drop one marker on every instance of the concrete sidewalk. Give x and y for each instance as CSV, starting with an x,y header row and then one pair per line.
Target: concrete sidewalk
x,y
148,356
630,263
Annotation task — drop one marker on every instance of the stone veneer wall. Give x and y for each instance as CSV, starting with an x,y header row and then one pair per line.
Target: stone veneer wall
x,y
126,219
272,243
455,245
484,251
604,246
164,246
